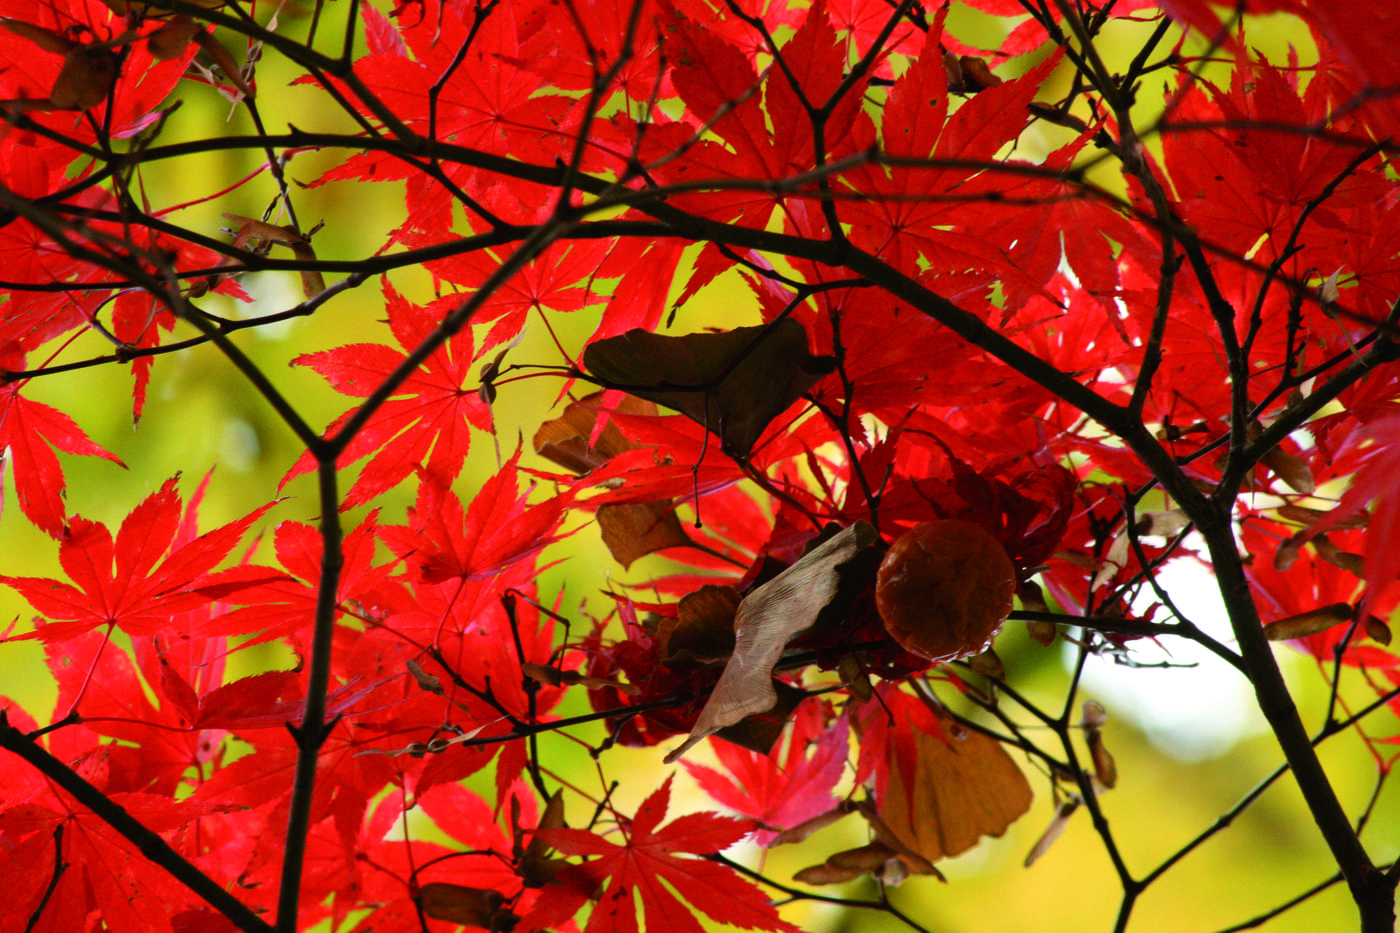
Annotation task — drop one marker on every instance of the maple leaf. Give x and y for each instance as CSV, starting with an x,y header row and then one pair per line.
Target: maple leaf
x,y
32,431
132,582
433,410
444,543
780,790
645,859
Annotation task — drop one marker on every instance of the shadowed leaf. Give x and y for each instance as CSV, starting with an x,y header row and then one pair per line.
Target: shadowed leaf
x,y
733,383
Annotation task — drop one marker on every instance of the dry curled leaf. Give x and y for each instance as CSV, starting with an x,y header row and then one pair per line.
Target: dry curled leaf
x,y
1293,471
427,681
1052,832
312,283
86,78
769,618
1105,768
224,59
172,38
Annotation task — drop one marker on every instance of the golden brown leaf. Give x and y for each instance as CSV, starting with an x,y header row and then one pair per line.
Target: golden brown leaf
x,y
635,529
961,790
1052,832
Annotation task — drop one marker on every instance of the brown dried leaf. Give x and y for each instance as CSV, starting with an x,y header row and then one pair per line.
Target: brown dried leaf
x,y
425,680
636,529
977,75
703,631
768,618
553,677
535,868
1293,471
1306,516
1094,716
1042,633
826,874
1105,768
86,78
866,858
960,791
456,903
1308,623
1354,564
988,665
856,678
573,440
1053,831
1377,630
733,383
173,38
806,828
1288,552
312,282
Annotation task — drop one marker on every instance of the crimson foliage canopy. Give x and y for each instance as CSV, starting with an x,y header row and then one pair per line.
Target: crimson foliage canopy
x,y
866,331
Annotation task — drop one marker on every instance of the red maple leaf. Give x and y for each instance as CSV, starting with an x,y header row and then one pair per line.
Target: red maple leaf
x,y
497,529
33,431
133,582
432,411
638,866
780,790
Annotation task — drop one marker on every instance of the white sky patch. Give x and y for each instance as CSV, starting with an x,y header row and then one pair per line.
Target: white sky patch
x,y
1190,713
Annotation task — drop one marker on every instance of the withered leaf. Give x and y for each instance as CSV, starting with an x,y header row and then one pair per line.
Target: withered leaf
x,y
85,79
961,790
171,39
457,903
734,383
47,39
1308,623
761,731
806,828
636,529
312,283
574,441
1378,630
224,59
769,618
1294,472
1052,832
703,630
1354,564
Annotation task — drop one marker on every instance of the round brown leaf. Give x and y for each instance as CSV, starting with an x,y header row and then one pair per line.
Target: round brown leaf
x,y
944,589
